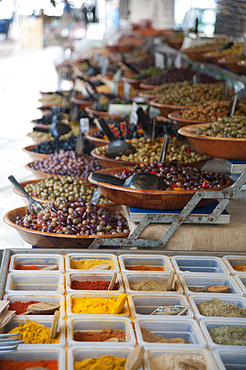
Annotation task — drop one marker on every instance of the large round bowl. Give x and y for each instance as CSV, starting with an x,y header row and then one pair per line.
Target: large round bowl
x,y
197,55
149,199
40,174
51,240
134,82
97,141
36,140
147,96
218,147
175,117
242,65
82,103
232,65
98,113
144,86
35,156
166,108
39,125
174,43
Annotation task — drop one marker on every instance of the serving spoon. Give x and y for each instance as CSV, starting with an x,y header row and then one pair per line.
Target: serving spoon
x,y
56,129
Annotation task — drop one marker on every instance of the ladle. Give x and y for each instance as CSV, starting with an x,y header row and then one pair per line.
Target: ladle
x,y
144,120
34,207
116,147
130,66
225,47
56,129
93,71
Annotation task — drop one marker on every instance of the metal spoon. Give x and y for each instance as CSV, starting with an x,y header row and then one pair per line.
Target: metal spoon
x,y
34,207
93,71
56,129
164,148
144,120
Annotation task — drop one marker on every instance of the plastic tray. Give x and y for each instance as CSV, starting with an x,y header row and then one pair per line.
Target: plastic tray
x,y
57,354
37,260
47,322
29,282
241,280
172,351
103,276
208,324
199,265
79,256
134,278
79,354
94,295
193,280
196,299
230,360
186,329
231,260
141,306
133,260
98,324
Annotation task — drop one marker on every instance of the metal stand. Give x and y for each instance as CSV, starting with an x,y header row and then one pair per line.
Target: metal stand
x,y
225,196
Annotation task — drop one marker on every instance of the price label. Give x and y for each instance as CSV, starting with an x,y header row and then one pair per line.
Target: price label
x,y
84,124
96,196
133,115
159,61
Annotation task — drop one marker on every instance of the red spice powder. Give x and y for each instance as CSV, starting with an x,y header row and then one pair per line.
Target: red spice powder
x,y
23,365
101,336
22,267
239,268
20,307
92,285
145,268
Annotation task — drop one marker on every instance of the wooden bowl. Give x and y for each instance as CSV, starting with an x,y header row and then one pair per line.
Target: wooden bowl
x,y
39,125
82,103
174,43
97,113
143,86
149,199
51,240
218,147
242,65
95,140
42,175
212,56
134,82
123,48
175,116
147,96
36,140
197,55
33,155
166,108
232,65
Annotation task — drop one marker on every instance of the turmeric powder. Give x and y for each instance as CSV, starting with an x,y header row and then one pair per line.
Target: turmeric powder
x,y
101,363
33,332
98,306
85,264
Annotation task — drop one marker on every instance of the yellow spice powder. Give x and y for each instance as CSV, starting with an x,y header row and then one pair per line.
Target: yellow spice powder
x,y
33,332
87,305
85,264
101,363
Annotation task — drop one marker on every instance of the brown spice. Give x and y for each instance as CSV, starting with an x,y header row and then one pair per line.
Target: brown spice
x,y
152,338
239,268
100,336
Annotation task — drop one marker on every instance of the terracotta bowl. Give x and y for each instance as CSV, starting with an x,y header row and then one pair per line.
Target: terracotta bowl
x,y
242,65
33,155
218,147
147,96
143,86
233,65
149,199
212,56
40,174
124,48
174,43
97,113
35,139
197,55
175,116
166,108
82,103
50,240
134,82
95,140
39,125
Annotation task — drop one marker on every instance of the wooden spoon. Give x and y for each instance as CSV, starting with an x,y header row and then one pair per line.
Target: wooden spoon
x,y
135,358
103,266
55,322
120,304
50,268
170,281
112,282
115,340
41,308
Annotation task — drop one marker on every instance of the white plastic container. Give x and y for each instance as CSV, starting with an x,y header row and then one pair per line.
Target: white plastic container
x,y
106,295
156,352
79,354
141,306
47,322
229,360
183,328
38,283
197,299
232,260
80,256
195,280
241,280
56,298
56,354
127,260
199,265
98,324
103,276
40,260
208,324
129,279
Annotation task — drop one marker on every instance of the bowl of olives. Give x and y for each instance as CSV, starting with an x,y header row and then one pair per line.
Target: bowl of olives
x,y
35,156
166,108
99,113
177,117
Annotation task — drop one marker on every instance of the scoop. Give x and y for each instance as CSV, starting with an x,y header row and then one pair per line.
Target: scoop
x,y
34,207
144,120
144,180
93,71
56,129
134,358
42,308
112,282
116,147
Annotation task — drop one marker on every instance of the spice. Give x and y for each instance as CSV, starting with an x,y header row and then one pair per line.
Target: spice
x,y
85,264
145,268
101,363
211,289
33,332
169,361
92,285
100,336
22,267
20,307
239,268
23,365
215,307
229,335
150,285
98,306
152,338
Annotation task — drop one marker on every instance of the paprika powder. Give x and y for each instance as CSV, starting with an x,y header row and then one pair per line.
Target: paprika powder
x,y
92,285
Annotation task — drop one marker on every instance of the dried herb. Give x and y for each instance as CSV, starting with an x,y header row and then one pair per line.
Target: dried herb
x,y
229,335
216,307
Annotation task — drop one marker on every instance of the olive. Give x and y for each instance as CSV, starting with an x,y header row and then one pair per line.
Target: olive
x,y
225,127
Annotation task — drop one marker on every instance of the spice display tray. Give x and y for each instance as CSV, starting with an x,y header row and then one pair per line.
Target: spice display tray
x,y
231,260
37,260
79,256
79,354
105,294
47,322
199,265
135,278
230,360
156,352
153,261
97,324
241,280
208,324
141,306
196,280
56,298
196,299
85,276
183,328
56,354
43,283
